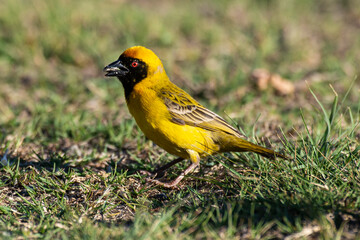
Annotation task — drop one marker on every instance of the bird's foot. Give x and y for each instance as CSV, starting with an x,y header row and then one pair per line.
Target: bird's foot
x,y
175,182
171,185
156,174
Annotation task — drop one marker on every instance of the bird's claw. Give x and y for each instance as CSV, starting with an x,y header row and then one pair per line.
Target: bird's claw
x,y
171,185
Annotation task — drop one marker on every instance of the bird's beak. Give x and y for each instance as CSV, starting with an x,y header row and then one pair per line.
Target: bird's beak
x,y
115,69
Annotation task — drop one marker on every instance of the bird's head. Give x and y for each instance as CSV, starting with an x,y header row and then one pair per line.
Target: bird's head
x,y
133,66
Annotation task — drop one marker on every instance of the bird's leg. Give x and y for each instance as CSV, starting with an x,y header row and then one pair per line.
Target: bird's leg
x,y
161,170
176,181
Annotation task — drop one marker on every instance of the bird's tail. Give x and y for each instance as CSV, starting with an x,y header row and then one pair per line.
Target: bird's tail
x,y
241,145
265,152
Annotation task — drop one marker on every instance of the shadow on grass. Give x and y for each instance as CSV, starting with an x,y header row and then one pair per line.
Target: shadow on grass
x,y
258,217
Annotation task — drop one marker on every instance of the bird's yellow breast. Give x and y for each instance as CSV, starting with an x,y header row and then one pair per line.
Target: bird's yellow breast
x,y
154,119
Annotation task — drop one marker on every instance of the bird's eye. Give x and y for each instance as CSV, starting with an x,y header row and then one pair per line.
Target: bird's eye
x,y
134,64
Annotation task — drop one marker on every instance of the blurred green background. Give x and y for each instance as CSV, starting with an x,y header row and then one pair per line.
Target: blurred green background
x,y
52,53
67,126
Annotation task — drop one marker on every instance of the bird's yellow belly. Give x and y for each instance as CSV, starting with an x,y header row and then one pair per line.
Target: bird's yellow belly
x,y
154,120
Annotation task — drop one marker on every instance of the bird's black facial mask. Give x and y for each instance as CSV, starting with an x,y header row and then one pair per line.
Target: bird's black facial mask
x,y
129,71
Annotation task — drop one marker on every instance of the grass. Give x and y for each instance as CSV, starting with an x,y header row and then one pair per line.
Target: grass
x,y
71,150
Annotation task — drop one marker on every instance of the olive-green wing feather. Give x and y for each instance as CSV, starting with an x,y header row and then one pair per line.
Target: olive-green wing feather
x,y
185,110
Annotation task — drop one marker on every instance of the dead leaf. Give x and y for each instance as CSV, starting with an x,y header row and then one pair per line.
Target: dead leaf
x,y
262,79
281,85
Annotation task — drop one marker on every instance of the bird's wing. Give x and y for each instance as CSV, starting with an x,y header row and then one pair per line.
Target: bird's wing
x,y
184,110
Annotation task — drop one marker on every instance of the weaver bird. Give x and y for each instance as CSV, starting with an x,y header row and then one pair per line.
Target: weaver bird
x,y
170,117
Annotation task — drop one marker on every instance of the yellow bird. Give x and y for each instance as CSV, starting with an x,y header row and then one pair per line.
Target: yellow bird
x,y
170,117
